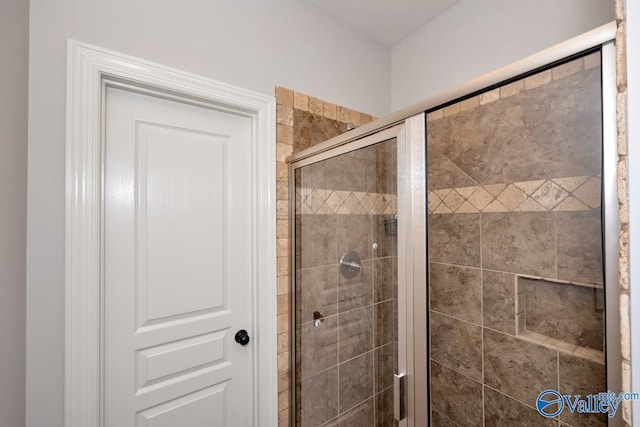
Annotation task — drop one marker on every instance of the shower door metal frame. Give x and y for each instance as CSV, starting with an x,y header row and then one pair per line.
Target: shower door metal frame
x,y
410,135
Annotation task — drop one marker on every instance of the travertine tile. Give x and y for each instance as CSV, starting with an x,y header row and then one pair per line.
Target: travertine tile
x,y
592,61
284,96
435,115
457,345
490,96
456,291
455,396
385,322
590,192
512,89
455,239
301,101
519,242
385,359
511,197
355,329
498,298
580,246
385,278
439,420
518,368
320,394
317,291
316,106
384,408
537,80
567,69
501,410
318,346
329,110
360,416
470,103
357,292
284,135
284,115
549,194
452,109
579,376
355,381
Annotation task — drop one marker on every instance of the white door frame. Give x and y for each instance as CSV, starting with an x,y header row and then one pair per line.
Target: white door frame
x,y
89,70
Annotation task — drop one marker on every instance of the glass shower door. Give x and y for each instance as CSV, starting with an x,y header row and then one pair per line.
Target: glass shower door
x,y
346,288
516,290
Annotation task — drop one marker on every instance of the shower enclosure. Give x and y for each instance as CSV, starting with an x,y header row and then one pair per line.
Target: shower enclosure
x,y
451,266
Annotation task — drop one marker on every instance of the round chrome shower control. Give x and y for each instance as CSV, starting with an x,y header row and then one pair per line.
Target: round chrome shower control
x,y
242,337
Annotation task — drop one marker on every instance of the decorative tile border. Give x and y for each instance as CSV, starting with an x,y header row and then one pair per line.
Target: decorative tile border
x,y
311,201
531,82
576,193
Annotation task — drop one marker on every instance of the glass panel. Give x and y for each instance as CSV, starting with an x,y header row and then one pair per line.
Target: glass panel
x,y
346,288
515,258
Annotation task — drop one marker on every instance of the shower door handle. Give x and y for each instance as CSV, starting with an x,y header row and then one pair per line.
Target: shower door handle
x,y
399,400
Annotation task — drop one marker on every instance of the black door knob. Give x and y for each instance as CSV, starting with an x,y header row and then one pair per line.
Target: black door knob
x,y
242,337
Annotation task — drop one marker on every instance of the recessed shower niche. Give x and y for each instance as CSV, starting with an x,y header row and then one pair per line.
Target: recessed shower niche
x,y
491,210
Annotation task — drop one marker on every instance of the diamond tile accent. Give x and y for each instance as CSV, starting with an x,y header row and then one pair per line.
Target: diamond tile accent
x,y
433,201
530,205
495,189
466,191
466,208
495,206
334,201
571,204
442,193
453,200
589,192
570,183
480,198
511,197
442,209
549,194
529,186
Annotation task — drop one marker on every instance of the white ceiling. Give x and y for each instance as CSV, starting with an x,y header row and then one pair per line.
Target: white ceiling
x,y
387,21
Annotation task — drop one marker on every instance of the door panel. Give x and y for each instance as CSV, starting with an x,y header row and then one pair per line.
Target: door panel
x,y
177,272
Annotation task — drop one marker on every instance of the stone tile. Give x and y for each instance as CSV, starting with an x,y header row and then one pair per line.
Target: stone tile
x,y
386,167
435,115
453,200
570,313
519,138
318,346
319,396
511,197
318,240
519,242
501,410
590,192
456,396
316,106
580,246
318,291
518,368
284,96
498,301
489,96
583,377
536,80
355,171
512,89
310,129
457,345
301,101
452,109
567,69
480,198
469,103
355,329
329,110
360,416
385,278
385,363
355,381
456,291
549,194
439,420
384,409
455,239
284,115
356,234
357,292
386,322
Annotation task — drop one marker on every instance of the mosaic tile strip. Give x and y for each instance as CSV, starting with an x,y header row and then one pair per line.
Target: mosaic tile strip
x,y
311,201
576,193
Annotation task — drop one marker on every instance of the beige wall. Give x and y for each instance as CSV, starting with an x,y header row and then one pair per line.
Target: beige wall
x,y
14,51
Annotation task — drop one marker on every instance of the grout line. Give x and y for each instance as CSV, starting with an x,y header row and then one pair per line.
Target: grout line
x,y
482,321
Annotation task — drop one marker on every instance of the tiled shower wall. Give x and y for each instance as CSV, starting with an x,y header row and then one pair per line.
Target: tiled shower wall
x,y
302,121
516,298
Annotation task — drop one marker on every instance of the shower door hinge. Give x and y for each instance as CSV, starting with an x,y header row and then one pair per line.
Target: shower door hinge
x,y
399,400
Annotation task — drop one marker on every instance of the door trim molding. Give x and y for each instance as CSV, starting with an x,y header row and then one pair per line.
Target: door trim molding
x,y
89,70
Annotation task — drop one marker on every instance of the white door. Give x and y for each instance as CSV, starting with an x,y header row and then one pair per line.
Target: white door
x,y
177,264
